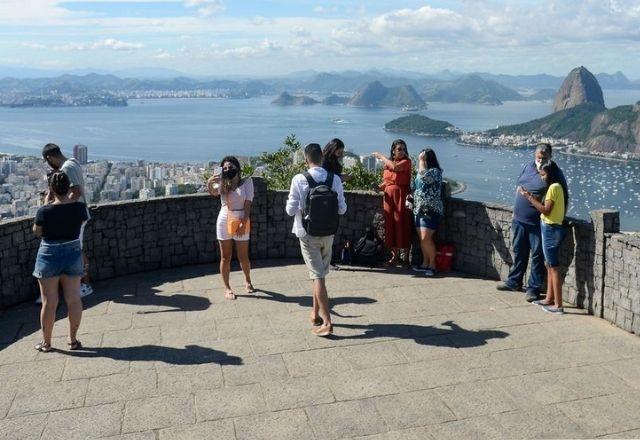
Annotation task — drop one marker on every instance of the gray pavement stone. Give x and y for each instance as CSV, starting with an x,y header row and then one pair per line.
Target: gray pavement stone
x,y
373,355
6,398
226,402
345,419
542,422
187,334
421,433
50,397
322,361
189,378
605,414
88,367
20,351
281,425
147,435
22,428
98,324
476,399
296,393
84,423
627,369
29,376
361,384
414,409
261,369
158,412
476,428
592,381
273,344
121,387
219,430
633,434
426,349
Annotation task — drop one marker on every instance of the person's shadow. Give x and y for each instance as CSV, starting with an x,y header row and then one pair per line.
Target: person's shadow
x,y
176,302
463,338
189,355
307,300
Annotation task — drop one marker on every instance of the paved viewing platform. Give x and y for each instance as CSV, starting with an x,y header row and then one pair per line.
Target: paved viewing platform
x,y
166,356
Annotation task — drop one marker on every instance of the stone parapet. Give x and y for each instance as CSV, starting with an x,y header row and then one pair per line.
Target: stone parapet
x,y
600,264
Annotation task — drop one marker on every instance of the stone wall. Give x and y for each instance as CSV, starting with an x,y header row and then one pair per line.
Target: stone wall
x,y
600,264
621,304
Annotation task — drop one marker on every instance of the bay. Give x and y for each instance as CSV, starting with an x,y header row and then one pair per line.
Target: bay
x,y
180,130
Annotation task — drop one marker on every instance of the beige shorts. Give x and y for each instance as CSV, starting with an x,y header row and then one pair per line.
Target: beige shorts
x,y
316,252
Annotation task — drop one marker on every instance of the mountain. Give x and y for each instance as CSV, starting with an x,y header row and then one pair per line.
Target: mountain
x,y
614,81
573,123
286,99
616,130
472,89
376,95
535,82
579,87
542,95
421,126
335,100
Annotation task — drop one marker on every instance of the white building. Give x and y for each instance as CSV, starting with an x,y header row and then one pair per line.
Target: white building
x,y
370,163
171,190
81,153
146,194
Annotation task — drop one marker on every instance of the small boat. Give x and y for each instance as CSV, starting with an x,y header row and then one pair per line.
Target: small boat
x,y
339,121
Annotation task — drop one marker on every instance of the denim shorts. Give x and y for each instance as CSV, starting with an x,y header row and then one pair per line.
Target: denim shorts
x,y
427,221
552,236
57,258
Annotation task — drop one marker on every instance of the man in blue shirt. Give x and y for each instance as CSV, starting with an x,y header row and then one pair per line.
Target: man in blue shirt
x,y
525,229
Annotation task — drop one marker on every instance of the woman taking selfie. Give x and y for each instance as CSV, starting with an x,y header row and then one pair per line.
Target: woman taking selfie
x,y
552,212
396,180
59,259
233,224
333,153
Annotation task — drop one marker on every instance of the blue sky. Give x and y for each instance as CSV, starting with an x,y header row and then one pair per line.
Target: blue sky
x,y
270,37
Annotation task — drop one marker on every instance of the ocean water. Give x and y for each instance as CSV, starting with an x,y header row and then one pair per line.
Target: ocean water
x,y
175,130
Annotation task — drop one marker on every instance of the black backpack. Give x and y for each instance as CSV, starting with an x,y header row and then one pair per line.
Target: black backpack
x,y
320,215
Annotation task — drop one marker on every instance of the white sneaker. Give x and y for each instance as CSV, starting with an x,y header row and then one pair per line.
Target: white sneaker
x,y
85,290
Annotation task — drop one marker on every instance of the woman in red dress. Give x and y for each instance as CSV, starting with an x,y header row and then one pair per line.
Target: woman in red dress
x,y
396,184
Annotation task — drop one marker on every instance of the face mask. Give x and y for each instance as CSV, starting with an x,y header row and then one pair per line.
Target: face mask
x,y
230,173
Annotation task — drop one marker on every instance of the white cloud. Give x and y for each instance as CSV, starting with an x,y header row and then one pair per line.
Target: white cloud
x,y
162,54
33,45
206,8
107,44
325,9
300,31
263,48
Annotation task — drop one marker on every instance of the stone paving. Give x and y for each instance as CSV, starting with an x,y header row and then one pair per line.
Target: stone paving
x,y
166,357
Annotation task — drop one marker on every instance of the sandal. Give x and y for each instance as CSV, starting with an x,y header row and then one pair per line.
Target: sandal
x,y
249,287
43,347
325,330
77,345
316,322
229,295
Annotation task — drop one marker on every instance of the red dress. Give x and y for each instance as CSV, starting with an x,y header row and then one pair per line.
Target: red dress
x,y
397,218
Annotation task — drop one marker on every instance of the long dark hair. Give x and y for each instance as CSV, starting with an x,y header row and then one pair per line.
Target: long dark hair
x,y
394,144
430,159
59,183
227,184
554,176
331,162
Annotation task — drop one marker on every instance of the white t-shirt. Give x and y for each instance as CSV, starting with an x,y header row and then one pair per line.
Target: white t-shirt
x,y
234,200
73,170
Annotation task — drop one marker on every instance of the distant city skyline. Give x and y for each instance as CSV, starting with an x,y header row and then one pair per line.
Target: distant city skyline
x,y
275,37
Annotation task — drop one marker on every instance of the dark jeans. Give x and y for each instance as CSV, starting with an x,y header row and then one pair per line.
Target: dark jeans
x,y
526,240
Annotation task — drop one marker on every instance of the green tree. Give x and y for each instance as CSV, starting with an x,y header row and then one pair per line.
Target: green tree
x,y
362,179
279,165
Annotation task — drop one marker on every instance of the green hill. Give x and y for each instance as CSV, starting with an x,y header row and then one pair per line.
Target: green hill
x,y
286,99
573,123
376,95
421,126
472,89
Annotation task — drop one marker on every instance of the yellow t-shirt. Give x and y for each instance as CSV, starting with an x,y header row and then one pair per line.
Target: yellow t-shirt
x,y
556,194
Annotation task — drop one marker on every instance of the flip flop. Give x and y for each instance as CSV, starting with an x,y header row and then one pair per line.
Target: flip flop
x,y
43,347
75,345
323,331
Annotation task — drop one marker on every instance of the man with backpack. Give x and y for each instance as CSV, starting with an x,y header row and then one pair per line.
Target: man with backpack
x,y
316,200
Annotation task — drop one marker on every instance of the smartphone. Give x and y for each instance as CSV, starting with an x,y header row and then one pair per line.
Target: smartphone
x,y
217,171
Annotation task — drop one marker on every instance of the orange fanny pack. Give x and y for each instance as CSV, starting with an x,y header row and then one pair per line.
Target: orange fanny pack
x,y
233,225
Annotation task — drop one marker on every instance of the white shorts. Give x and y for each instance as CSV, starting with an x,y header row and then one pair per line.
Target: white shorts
x,y
222,232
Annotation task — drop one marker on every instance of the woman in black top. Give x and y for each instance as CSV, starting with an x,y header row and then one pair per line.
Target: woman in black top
x,y
59,259
333,153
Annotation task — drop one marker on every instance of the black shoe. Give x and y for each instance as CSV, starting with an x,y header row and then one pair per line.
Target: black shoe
x,y
506,288
531,296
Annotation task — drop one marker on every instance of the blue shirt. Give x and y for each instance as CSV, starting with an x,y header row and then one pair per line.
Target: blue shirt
x,y
530,180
